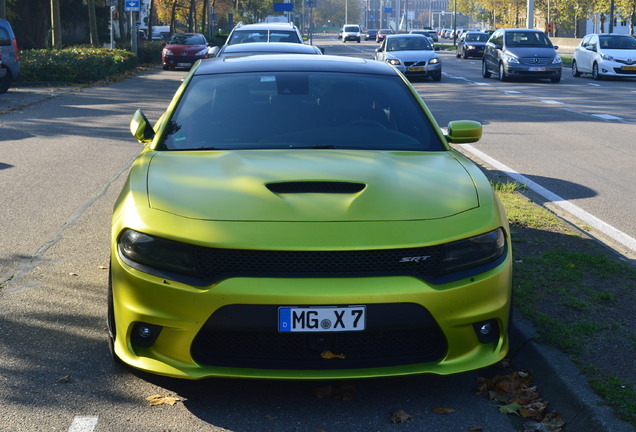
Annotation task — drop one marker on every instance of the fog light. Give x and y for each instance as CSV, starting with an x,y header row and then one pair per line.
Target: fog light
x,y
487,331
144,335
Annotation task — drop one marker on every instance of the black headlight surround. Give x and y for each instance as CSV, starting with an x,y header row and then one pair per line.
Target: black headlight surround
x,y
467,257
156,255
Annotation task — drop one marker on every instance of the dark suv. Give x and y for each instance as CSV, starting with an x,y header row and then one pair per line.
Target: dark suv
x,y
10,65
521,53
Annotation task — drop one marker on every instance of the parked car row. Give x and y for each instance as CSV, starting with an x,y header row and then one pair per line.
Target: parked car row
x,y
605,55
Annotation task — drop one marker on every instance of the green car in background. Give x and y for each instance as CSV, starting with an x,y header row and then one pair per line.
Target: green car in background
x,y
304,217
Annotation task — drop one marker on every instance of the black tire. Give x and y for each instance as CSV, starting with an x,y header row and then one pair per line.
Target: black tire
x,y
575,69
595,75
502,72
437,76
556,79
165,67
465,55
5,82
484,69
458,54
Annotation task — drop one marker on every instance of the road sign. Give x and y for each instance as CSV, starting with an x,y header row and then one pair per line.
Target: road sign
x,y
283,7
132,5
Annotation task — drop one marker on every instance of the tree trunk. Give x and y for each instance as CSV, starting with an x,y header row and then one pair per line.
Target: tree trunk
x,y
92,21
122,21
172,16
150,12
56,24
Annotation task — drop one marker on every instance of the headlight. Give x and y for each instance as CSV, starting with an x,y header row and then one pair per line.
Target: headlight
x,y
434,60
203,52
157,252
608,57
557,59
166,51
473,251
471,47
510,58
393,61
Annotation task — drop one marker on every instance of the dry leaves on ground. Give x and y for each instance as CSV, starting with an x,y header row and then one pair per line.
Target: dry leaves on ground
x,y
341,391
162,400
517,395
400,417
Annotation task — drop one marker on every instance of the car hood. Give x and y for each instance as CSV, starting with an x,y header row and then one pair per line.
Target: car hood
x,y
412,55
187,49
620,53
232,185
531,52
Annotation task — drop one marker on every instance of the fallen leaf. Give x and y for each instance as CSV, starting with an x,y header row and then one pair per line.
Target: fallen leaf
x,y
328,355
512,408
73,274
64,379
323,392
475,428
102,267
400,417
160,400
439,410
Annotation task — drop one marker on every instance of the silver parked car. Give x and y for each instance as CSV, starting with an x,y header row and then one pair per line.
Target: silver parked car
x,y
411,54
10,64
605,55
523,53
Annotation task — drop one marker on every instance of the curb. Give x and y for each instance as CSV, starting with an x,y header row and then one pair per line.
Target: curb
x,y
557,375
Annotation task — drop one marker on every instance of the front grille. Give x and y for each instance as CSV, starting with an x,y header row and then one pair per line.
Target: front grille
x,y
415,63
183,59
624,72
628,62
535,61
247,336
217,264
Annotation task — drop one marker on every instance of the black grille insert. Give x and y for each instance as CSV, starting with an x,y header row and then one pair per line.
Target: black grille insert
x,y
217,264
247,336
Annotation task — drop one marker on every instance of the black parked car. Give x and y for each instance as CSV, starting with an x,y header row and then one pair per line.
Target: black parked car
x,y
520,53
471,44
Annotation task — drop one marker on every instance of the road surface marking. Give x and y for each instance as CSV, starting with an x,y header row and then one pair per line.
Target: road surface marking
x,y
83,424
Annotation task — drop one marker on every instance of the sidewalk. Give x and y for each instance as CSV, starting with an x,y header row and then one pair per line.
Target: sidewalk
x,y
20,96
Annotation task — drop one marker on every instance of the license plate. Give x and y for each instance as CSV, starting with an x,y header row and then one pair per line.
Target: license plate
x,y
629,68
321,319
184,64
416,69
536,69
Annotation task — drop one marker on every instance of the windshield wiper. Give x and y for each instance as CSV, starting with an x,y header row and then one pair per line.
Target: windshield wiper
x,y
317,146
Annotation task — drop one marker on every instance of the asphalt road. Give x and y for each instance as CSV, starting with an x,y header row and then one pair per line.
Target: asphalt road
x,y
62,163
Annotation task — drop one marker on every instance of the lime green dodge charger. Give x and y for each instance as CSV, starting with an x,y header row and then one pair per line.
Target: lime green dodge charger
x,y
304,217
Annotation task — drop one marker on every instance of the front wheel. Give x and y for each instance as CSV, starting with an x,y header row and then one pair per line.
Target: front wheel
x,y
595,73
502,72
575,69
484,69
437,76
556,79
5,82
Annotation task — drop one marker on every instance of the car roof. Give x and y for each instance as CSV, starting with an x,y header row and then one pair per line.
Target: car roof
x,y
274,47
293,62
522,29
266,26
398,36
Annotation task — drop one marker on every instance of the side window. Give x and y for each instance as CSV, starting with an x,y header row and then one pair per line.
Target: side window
x,y
585,41
4,37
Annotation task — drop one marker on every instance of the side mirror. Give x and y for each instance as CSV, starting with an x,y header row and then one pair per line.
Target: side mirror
x,y
590,48
436,48
322,49
498,47
556,47
213,51
140,127
378,49
463,131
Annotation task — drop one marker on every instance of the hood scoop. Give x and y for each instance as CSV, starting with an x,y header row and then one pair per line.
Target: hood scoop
x,y
327,187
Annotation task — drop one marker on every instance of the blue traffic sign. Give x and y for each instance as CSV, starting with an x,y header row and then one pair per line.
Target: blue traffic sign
x,y
132,5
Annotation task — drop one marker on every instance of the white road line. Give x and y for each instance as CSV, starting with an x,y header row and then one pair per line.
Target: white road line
x,y
552,102
594,84
512,92
83,424
607,117
593,221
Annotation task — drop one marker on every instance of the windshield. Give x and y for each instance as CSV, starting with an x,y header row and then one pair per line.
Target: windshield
x,y
477,38
184,39
617,42
352,29
408,44
525,38
248,36
299,110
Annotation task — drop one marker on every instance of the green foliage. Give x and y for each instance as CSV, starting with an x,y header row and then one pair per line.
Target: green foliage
x,y
74,65
150,52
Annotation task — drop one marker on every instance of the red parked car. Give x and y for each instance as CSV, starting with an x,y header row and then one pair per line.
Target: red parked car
x,y
183,49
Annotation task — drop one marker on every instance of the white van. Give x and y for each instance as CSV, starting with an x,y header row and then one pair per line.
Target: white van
x,y
351,32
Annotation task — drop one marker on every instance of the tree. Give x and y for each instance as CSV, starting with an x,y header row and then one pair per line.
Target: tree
x,y
92,21
56,24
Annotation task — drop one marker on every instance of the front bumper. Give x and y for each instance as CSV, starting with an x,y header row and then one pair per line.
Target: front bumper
x,y
180,61
616,69
524,71
197,325
351,38
417,70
